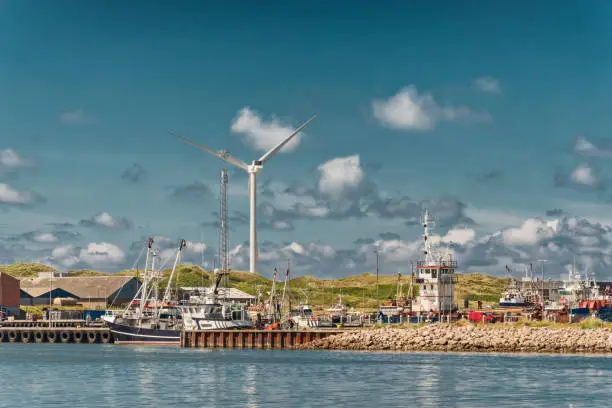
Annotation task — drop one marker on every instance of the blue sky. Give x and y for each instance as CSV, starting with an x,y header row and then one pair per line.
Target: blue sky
x,y
492,114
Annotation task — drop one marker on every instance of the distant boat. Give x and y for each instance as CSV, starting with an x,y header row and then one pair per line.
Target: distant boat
x,y
512,296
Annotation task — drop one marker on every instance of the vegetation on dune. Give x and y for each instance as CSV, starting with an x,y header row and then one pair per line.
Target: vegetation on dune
x,y
358,291
25,270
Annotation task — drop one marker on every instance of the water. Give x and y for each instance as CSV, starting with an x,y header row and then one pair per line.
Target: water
x,y
73,375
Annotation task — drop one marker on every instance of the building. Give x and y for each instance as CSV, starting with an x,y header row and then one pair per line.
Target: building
x,y
435,275
9,294
52,274
93,292
230,295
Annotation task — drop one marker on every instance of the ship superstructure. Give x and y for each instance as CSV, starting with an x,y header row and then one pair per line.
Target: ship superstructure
x,y
435,275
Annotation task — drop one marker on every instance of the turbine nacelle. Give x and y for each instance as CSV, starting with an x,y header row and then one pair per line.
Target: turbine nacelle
x,y
255,167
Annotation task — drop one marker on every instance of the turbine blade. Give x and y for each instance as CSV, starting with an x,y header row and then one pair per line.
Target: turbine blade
x,y
284,142
221,155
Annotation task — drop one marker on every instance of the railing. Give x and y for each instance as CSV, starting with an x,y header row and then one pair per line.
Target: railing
x,y
441,263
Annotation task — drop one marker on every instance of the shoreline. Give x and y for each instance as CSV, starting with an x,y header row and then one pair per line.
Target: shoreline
x,y
471,339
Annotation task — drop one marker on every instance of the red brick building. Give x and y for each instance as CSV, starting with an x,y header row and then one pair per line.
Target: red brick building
x,y
9,294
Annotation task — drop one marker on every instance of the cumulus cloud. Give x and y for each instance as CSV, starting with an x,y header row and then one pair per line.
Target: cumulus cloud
x,y
134,173
10,159
43,237
105,220
102,253
339,175
76,117
583,174
263,135
409,110
558,240
583,147
343,191
487,84
168,247
11,196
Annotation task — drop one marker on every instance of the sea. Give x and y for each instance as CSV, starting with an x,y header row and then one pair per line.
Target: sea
x,y
96,376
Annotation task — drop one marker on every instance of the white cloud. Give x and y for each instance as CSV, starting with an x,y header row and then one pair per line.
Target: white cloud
x,y
340,175
459,236
63,251
65,256
487,84
104,219
583,174
102,253
9,158
196,247
409,110
585,148
9,195
76,117
45,237
262,135
530,232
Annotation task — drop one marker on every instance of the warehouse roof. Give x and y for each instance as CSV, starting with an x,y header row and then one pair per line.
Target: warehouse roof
x,y
82,286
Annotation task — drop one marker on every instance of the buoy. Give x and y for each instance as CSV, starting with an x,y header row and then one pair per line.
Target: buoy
x,y
78,336
39,337
92,336
64,336
52,337
105,337
26,336
12,336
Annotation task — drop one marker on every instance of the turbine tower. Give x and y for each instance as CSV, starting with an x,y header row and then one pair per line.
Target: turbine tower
x,y
255,167
223,227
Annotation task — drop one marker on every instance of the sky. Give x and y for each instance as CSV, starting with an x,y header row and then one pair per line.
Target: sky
x,y
495,117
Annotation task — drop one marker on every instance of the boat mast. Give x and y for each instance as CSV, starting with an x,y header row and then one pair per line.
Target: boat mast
x,y
166,298
377,287
144,288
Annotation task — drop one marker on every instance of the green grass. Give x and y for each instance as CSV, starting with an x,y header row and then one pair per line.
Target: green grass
x,y
358,291
25,270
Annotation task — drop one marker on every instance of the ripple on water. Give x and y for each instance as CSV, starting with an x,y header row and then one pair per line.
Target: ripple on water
x,y
107,375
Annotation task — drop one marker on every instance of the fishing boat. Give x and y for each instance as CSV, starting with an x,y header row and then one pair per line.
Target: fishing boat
x,y
208,312
512,296
303,317
147,320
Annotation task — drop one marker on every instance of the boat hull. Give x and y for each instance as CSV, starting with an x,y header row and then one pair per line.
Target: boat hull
x,y
124,334
513,304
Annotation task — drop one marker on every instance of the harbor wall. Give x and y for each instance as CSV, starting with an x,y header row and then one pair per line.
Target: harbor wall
x,y
252,339
55,335
494,338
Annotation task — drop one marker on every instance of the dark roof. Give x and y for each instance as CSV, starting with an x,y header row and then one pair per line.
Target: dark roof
x,y
82,287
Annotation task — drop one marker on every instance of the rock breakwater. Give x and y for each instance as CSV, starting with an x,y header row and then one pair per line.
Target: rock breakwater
x,y
437,337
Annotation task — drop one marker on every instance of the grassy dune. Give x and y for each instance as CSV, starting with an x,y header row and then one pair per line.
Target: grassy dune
x,y
358,291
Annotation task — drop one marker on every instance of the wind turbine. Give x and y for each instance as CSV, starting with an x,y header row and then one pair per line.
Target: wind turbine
x,y
255,167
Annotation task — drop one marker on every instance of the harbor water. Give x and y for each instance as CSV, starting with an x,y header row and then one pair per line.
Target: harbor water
x,y
84,375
